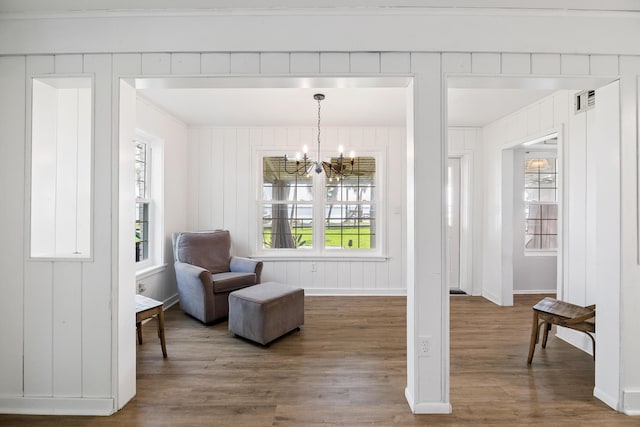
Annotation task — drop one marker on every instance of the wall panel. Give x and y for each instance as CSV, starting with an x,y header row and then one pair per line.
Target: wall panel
x,y
67,329
38,285
156,63
185,63
231,169
96,274
38,329
12,221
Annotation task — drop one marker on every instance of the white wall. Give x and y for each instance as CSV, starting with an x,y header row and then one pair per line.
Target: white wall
x,y
70,361
172,135
222,194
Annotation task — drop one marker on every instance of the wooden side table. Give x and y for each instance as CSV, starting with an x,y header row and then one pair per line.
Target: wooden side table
x,y
146,308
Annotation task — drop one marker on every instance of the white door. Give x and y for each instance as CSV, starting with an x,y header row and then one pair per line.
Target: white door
x,y
453,221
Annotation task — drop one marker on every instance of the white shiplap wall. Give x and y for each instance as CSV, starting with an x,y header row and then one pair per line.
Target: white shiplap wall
x,y
578,262
66,307
223,195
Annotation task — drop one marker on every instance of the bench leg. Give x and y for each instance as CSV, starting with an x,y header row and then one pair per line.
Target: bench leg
x,y
534,337
547,328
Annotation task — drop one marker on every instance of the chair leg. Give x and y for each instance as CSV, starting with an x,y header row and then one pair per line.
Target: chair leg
x,y
547,328
534,337
161,334
139,331
593,341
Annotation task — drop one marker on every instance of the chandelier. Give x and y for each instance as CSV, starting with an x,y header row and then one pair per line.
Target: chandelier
x,y
341,167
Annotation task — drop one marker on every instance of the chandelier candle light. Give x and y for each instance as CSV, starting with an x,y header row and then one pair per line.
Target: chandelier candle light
x,y
304,165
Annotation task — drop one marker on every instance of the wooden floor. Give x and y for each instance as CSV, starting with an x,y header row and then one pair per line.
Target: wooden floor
x,y
347,366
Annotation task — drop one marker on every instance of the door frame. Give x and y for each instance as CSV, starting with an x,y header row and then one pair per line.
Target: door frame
x,y
466,220
508,203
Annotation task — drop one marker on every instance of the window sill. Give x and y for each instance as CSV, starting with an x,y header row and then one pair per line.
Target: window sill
x,y
61,257
150,271
541,253
321,258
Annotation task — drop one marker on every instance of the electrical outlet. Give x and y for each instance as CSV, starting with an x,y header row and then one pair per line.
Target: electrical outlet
x,y
314,267
424,346
141,288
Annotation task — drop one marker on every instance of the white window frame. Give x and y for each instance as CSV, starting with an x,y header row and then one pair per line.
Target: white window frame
x,y
534,154
318,251
154,200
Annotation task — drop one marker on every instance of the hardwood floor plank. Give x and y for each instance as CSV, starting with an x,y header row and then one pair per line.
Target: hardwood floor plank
x,y
347,366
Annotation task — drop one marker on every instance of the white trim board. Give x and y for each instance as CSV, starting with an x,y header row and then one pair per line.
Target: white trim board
x,y
427,408
631,402
56,406
608,400
171,301
397,292
576,338
533,291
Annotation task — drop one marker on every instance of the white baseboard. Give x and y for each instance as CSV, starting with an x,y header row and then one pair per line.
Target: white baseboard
x,y
426,408
494,299
631,402
533,292
355,292
172,300
56,406
409,397
576,338
608,400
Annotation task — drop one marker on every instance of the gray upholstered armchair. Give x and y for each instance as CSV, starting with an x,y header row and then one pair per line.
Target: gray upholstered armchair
x,y
207,273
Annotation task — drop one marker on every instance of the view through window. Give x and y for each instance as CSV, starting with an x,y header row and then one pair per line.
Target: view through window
x,y
541,203
316,212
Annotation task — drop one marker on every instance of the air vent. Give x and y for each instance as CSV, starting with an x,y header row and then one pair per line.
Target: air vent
x,y
585,100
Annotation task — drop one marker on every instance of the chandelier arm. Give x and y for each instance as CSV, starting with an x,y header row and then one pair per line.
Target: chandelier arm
x,y
328,169
286,169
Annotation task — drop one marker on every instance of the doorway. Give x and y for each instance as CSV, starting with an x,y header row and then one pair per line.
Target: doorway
x,y
532,215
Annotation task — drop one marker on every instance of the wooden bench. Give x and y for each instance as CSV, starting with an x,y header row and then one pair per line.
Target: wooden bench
x,y
550,311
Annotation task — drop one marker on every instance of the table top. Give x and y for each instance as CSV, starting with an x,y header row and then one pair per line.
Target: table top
x,y
145,303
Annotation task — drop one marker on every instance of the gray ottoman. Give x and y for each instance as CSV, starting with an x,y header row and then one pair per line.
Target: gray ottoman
x,y
265,312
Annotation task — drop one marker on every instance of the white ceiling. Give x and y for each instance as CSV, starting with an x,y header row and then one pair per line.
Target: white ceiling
x,y
341,107
478,107
282,106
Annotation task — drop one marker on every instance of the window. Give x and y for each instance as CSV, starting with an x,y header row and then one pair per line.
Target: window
x,y
315,214
541,203
143,202
350,208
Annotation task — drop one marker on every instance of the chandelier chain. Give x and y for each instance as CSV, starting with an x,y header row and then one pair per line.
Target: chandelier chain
x,y
319,129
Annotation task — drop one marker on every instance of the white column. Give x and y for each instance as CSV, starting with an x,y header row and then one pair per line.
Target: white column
x,y
427,300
